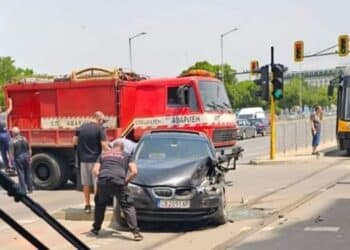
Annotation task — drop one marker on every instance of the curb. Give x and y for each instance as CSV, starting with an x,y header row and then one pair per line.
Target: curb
x,y
281,161
296,157
78,214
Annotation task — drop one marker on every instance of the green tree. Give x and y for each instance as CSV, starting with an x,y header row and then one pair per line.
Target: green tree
x,y
10,73
311,95
245,95
216,69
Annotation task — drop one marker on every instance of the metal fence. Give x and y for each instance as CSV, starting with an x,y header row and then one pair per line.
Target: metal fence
x,y
295,136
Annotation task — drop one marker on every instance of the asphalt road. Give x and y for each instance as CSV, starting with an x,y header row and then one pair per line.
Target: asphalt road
x,y
256,200
59,199
254,148
51,200
321,224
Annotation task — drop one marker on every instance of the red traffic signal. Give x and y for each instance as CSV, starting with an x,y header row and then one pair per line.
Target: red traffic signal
x,y
298,51
343,45
254,67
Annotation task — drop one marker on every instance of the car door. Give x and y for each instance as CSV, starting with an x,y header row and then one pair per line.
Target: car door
x,y
247,129
251,129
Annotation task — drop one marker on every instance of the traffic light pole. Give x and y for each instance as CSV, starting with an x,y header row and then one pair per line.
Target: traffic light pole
x,y
272,118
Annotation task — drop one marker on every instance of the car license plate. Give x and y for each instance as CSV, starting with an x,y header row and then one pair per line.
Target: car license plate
x,y
174,204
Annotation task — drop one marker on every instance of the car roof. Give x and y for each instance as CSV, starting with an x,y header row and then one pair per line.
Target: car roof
x,y
177,134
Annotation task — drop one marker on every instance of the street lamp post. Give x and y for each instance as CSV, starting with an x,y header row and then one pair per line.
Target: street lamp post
x,y
222,50
130,48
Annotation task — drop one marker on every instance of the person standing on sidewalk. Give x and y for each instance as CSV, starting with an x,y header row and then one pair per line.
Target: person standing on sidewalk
x,y
315,118
115,170
20,153
90,139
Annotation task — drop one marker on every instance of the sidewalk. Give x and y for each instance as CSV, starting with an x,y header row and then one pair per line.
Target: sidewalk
x,y
250,183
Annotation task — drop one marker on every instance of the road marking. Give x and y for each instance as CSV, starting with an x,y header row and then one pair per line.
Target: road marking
x,y
94,246
267,229
243,229
321,229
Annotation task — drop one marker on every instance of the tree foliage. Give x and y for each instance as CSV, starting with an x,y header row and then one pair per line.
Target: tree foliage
x,y
10,73
311,95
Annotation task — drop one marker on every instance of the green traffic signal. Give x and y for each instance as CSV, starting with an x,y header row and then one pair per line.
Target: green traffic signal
x,y
278,94
277,80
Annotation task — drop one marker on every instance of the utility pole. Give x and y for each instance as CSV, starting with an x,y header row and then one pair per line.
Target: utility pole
x,y
130,48
300,89
222,51
272,118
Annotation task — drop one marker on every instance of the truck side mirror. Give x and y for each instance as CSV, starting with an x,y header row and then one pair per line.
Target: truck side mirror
x,y
330,90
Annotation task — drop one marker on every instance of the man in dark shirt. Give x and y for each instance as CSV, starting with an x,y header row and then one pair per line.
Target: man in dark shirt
x,y
115,170
20,153
90,139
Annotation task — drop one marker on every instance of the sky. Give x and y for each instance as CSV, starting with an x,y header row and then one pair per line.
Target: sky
x,y
58,36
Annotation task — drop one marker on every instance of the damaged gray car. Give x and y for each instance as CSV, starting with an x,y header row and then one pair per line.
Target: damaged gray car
x,y
179,179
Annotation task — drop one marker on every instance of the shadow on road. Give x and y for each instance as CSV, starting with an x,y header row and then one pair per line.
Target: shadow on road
x,y
169,227
335,152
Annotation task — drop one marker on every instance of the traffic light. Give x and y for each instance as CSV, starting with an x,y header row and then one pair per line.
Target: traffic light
x,y
343,45
254,67
277,81
263,82
298,51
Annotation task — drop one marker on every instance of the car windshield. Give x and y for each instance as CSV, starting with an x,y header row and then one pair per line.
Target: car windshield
x,y
152,148
214,96
249,116
259,121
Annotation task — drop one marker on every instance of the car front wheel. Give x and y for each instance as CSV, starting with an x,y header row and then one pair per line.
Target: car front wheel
x,y
221,218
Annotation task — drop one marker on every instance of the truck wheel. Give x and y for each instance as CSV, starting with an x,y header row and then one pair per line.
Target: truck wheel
x,y
49,172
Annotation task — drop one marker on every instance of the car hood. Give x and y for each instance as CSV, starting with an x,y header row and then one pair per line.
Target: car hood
x,y
173,173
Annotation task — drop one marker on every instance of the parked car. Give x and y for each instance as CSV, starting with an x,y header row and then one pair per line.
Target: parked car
x,y
179,179
251,113
261,125
245,129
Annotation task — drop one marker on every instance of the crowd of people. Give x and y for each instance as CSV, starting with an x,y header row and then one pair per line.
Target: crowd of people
x,y
107,168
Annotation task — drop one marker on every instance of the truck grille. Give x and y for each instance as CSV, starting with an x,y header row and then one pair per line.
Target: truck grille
x,y
222,135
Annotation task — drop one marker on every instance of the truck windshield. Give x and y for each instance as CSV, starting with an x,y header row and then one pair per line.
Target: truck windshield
x,y
214,96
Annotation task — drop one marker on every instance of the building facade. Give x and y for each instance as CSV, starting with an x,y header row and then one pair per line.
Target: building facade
x,y
317,78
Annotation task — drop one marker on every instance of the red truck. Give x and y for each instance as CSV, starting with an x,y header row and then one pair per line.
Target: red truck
x,y
48,112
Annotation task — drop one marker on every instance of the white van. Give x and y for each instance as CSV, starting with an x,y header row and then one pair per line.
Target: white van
x,y
252,113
